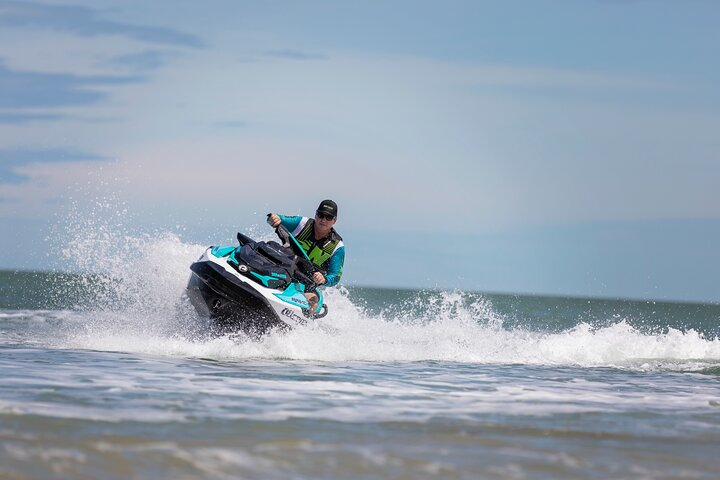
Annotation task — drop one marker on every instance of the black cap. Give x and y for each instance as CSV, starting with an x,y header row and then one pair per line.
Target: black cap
x,y
329,207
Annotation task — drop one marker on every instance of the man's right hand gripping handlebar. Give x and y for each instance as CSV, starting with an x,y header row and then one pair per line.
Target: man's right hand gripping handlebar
x,y
273,220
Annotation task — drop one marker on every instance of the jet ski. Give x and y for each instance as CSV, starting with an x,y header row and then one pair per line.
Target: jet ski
x,y
256,286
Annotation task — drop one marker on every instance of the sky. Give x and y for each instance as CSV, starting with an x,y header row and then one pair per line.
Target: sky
x,y
556,147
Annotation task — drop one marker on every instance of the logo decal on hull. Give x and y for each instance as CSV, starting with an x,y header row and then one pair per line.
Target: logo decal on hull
x,y
290,314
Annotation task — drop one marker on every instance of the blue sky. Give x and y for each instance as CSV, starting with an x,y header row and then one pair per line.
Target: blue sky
x,y
554,147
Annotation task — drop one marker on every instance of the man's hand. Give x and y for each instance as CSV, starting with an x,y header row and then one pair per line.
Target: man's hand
x,y
318,278
274,220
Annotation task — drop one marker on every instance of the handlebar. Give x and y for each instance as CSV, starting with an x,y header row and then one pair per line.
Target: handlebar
x,y
304,266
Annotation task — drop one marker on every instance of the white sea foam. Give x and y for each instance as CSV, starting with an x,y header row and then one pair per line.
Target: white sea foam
x,y
350,334
139,307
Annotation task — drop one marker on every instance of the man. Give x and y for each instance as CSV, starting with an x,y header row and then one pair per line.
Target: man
x,y
323,245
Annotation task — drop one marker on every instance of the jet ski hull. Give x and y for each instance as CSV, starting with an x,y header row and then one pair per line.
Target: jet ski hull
x,y
235,303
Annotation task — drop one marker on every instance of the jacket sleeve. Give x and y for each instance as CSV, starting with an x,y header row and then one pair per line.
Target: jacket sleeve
x,y
291,222
335,267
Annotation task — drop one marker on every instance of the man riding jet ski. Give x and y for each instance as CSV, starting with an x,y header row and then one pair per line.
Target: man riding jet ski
x,y
261,285
322,244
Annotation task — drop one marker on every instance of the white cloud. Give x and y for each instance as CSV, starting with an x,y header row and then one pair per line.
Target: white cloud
x,y
425,136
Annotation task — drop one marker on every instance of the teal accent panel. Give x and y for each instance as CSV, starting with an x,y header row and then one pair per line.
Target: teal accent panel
x,y
299,247
294,295
221,251
263,279
232,259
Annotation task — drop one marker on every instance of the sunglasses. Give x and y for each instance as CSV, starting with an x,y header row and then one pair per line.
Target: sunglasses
x,y
324,216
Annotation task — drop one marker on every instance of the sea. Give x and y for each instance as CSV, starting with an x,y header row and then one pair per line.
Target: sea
x,y
107,372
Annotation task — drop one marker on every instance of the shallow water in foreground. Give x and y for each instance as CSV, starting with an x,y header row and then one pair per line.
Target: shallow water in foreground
x,y
115,377
81,401
86,414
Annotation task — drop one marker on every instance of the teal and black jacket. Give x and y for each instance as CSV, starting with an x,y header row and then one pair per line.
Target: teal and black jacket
x,y
327,254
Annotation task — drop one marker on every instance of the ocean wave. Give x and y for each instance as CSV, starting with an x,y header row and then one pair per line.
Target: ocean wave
x,y
132,299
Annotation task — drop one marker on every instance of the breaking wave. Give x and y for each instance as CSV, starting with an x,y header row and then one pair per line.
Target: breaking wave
x,y
133,301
